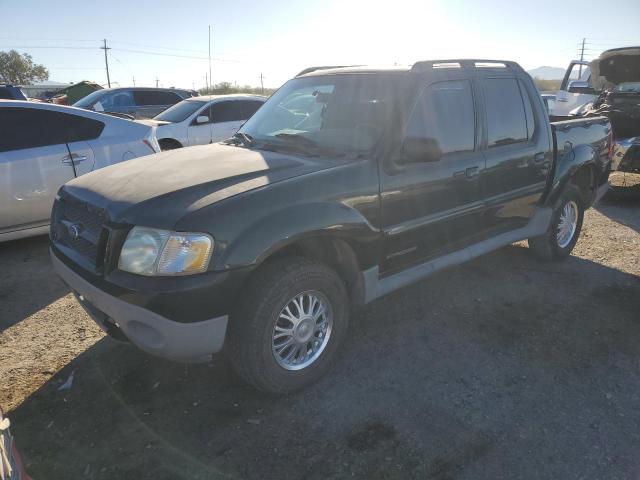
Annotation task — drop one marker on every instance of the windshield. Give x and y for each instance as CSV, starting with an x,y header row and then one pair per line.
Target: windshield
x,y
341,113
90,99
180,111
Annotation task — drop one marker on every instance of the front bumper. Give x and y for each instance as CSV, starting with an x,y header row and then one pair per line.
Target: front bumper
x,y
151,332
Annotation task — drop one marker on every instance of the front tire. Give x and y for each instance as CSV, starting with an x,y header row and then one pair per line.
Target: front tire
x,y
286,335
558,241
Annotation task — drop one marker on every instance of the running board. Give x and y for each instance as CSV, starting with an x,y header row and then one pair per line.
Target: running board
x,y
375,287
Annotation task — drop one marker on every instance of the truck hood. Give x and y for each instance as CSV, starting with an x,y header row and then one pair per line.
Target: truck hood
x,y
616,66
158,190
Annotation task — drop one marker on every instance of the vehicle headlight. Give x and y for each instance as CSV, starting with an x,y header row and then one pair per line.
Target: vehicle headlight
x,y
149,251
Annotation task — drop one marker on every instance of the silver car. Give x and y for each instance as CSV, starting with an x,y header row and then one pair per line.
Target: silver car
x,y
42,146
136,102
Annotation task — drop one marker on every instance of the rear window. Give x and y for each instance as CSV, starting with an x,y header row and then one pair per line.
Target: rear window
x,y
152,97
506,117
30,128
5,94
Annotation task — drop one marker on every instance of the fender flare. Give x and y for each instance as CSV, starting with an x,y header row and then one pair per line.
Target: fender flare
x,y
567,166
292,224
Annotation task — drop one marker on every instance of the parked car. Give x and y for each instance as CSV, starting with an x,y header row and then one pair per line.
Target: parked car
x,y
11,465
43,146
202,120
262,243
11,92
137,102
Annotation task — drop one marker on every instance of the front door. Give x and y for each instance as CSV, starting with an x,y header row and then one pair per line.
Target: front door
x,y
433,207
226,118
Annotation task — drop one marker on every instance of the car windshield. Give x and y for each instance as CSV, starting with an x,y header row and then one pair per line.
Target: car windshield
x,y
334,113
90,99
180,111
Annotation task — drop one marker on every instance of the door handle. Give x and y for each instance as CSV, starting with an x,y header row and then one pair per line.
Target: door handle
x,y
470,172
539,157
74,159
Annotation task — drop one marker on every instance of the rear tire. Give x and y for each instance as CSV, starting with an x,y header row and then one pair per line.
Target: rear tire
x,y
558,241
261,326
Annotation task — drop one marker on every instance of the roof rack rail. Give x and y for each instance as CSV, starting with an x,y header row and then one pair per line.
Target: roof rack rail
x,y
324,67
465,63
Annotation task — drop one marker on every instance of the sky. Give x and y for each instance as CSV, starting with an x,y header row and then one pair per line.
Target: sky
x,y
151,40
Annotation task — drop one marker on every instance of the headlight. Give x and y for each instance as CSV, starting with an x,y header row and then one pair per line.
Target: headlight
x,y
148,251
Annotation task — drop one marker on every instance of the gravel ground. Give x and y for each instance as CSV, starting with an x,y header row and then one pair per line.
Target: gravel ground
x,y
502,368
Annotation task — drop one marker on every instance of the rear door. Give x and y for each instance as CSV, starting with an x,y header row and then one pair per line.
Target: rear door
x,y
33,165
226,118
429,208
517,149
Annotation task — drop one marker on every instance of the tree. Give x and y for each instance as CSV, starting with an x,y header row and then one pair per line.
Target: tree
x,y
19,69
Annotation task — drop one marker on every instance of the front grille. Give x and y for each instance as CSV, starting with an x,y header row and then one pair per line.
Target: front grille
x,y
78,227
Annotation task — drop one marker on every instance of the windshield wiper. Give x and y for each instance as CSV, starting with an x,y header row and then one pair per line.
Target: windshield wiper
x,y
243,137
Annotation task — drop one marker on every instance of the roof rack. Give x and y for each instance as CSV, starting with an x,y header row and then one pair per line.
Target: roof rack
x,y
325,67
465,63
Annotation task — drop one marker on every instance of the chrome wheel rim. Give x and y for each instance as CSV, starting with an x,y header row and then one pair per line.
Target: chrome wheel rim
x,y
302,330
568,223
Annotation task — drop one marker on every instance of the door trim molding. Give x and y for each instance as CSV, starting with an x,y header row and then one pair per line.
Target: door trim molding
x,y
375,287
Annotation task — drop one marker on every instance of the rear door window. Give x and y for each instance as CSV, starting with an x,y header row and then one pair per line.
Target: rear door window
x,y
30,128
229,111
154,97
506,116
250,107
445,113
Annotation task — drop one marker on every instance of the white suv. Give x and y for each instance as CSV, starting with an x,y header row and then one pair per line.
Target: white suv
x,y
202,120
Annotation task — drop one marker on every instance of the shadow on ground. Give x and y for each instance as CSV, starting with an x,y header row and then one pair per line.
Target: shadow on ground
x,y
501,365
622,202
27,280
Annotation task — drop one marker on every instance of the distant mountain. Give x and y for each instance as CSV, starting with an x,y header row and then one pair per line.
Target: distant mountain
x,y
547,73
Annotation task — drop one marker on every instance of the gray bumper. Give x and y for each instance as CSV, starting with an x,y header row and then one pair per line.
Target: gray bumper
x,y
153,333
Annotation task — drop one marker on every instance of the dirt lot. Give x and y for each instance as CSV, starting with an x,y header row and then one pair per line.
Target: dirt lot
x,y
502,368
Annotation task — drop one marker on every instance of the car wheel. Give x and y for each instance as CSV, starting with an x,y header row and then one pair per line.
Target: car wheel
x,y
566,223
287,334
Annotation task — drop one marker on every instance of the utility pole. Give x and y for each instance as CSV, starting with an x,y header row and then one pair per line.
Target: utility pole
x,y
209,58
206,83
106,61
157,82
261,84
581,58
134,81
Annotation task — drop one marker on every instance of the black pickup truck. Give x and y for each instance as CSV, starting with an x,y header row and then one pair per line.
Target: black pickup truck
x,y
348,184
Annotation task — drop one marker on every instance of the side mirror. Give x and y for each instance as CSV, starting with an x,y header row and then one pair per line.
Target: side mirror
x,y
418,149
579,86
202,119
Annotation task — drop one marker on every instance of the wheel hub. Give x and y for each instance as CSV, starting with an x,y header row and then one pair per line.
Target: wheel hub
x,y
302,330
567,224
